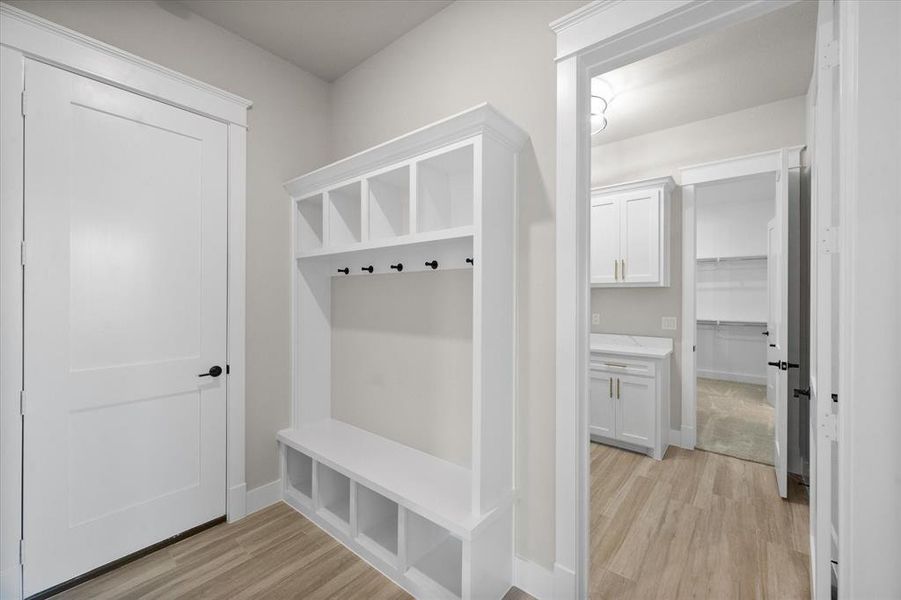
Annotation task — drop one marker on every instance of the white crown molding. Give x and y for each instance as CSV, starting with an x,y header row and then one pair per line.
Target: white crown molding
x,y
666,182
54,44
480,119
581,14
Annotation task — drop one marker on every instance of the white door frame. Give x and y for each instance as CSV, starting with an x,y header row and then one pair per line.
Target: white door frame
x,y
599,37
740,166
26,36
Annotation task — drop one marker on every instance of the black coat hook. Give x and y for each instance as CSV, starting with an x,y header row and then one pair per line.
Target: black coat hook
x,y
345,270
471,261
433,264
398,267
369,268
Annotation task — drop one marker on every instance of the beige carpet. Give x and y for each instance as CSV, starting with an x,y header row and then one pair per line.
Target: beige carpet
x,y
735,419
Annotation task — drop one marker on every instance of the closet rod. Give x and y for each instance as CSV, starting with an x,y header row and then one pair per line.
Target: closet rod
x,y
717,259
717,322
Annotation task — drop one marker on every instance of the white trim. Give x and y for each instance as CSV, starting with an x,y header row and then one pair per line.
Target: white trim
x,y
675,438
51,43
24,35
532,578
236,379
595,39
700,174
265,495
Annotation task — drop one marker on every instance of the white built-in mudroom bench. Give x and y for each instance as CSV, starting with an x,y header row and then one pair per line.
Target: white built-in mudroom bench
x,y
438,199
629,392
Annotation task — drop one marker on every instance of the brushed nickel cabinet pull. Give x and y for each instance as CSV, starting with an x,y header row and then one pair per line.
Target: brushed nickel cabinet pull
x,y
622,268
611,386
617,388
615,269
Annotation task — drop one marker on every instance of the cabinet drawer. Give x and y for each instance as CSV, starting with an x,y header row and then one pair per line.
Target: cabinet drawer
x,y
626,366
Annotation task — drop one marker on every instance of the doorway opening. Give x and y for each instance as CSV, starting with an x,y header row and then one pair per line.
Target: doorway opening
x,y
695,250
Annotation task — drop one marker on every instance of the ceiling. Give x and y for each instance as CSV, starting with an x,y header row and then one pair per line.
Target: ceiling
x,y
760,61
325,38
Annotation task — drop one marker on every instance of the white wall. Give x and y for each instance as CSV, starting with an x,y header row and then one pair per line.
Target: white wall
x,y
637,311
287,135
501,52
402,348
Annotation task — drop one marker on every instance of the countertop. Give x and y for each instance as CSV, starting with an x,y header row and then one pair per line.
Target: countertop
x,y
631,345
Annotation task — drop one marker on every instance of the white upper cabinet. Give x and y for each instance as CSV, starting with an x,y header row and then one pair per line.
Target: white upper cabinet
x,y
630,234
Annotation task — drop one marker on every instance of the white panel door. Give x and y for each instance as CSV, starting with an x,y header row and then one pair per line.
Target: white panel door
x,y
635,406
125,305
640,236
777,326
605,239
602,418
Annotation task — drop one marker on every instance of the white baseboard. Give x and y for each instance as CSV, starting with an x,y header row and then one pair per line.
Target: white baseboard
x,y
236,507
11,583
675,438
564,582
728,376
533,579
265,495
689,437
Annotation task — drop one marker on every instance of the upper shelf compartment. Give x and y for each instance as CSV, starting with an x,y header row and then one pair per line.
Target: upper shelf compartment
x,y
424,186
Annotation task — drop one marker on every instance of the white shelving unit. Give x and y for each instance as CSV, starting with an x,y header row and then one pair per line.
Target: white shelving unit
x,y
442,195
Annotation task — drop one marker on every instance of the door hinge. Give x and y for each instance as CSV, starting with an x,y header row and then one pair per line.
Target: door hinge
x,y
22,552
22,402
831,55
829,240
22,252
830,426
24,104
228,369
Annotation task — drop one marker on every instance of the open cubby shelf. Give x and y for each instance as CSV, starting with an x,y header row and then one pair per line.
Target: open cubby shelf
x,y
442,197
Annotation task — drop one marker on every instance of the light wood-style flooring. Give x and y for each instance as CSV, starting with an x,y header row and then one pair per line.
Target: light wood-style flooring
x,y
275,553
696,525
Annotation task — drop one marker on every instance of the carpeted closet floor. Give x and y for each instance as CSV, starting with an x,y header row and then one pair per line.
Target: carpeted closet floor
x,y
735,419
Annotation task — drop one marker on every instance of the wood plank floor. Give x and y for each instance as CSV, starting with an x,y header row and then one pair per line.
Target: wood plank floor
x,y
696,525
275,553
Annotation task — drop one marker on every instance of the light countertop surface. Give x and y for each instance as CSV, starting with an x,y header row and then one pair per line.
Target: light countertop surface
x,y
631,345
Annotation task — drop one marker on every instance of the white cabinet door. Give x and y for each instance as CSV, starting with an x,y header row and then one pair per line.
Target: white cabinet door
x,y
602,418
640,236
125,305
635,409
605,239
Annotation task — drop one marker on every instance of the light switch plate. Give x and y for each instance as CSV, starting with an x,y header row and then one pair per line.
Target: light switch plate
x,y
668,323
595,318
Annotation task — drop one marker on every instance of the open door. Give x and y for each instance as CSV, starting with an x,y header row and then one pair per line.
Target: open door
x,y
823,307
777,326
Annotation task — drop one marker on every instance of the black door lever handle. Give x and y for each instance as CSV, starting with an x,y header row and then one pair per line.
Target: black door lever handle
x,y
776,364
215,371
799,392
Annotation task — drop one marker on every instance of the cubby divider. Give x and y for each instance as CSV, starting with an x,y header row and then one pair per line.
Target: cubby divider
x,y
389,204
377,523
445,190
299,472
309,223
334,496
434,556
345,215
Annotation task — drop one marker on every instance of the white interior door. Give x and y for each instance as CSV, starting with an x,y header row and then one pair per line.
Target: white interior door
x,y
640,217
777,326
823,311
605,229
125,305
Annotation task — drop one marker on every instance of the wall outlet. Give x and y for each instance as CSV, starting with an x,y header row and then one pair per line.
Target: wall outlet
x,y
595,318
668,323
